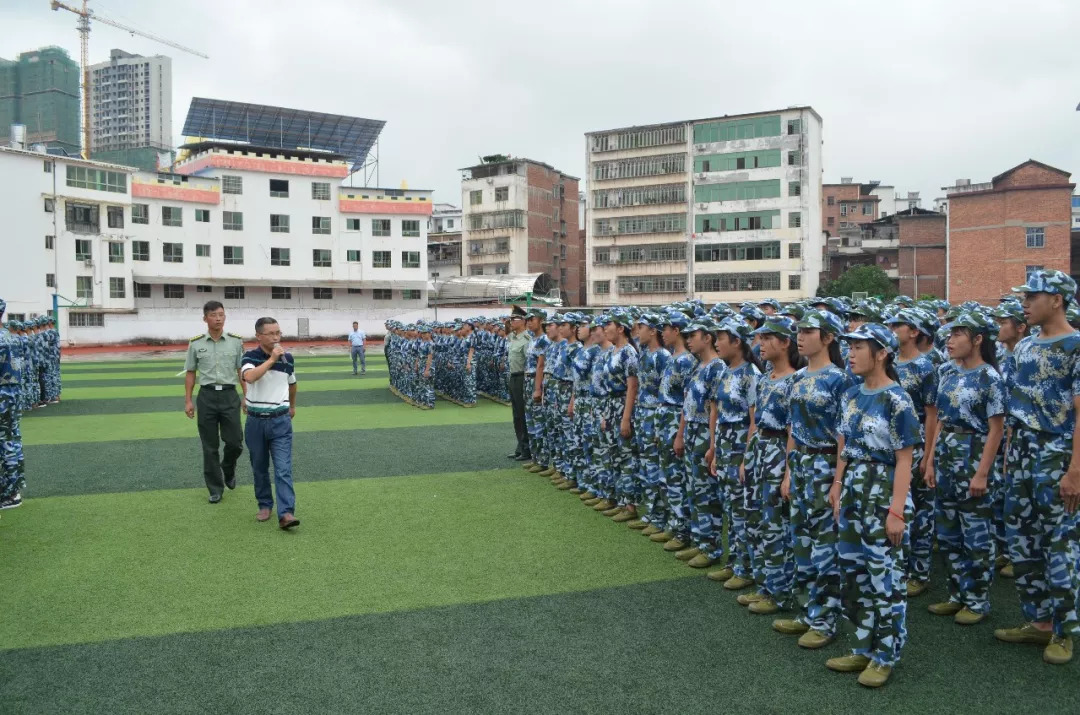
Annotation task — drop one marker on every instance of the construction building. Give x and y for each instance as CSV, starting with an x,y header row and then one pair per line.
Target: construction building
x,y
723,209
444,242
40,91
1001,230
521,217
131,110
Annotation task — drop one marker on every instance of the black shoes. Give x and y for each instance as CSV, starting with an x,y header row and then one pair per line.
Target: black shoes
x,y
215,498
524,458
230,482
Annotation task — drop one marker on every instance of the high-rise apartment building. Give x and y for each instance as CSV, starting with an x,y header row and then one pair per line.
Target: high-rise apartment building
x,y
131,109
40,90
723,209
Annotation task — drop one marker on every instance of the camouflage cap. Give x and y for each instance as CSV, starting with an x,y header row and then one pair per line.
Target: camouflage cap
x,y
777,325
752,312
1010,309
821,320
974,321
793,310
704,324
877,333
769,301
1049,281
735,325
676,319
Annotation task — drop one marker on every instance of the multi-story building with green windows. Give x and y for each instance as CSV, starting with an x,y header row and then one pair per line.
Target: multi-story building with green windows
x,y
723,209
40,91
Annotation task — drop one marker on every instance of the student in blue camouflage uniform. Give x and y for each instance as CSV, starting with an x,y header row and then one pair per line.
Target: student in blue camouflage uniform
x,y
534,378
1043,490
918,376
617,409
424,351
12,479
467,362
768,527
53,382
652,363
871,503
971,409
563,374
549,417
582,408
672,392
598,484
694,443
1012,328
813,448
735,396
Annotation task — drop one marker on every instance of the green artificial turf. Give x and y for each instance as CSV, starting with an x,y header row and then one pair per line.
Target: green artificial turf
x,y
177,388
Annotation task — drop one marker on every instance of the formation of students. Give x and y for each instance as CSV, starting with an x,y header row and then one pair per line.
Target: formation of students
x,y
832,443
457,361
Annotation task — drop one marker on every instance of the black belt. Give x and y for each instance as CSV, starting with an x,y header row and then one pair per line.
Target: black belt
x,y
567,382
516,374
772,433
827,451
267,415
955,430
218,388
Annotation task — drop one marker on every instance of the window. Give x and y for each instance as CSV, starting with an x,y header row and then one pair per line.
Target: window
x,y
449,223
352,256
172,252
843,209
279,188
502,193
204,289
50,206
652,284
174,290
706,165
279,223
232,220
280,293
663,223
867,209
232,184
140,213
650,253
640,166
410,259
50,242
355,291
794,219
172,216
382,294
562,252
322,293
410,294
1028,270
476,270
50,280
279,257
794,188
117,288
794,158
352,224
140,290
794,126
601,255
759,251
202,250
84,287
82,249
140,250
81,218
115,216
1036,237
410,229
640,138
320,190
97,179
730,130
476,197
234,255
380,227
794,250
715,282
47,166
380,259
86,320
602,287
320,224
831,220
794,282
320,258
202,215
234,292
116,252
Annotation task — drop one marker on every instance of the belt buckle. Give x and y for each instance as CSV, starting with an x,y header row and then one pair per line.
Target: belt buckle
x,y
217,387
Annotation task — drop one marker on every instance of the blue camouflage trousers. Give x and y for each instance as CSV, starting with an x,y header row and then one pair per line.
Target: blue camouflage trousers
x,y
730,450
548,420
706,494
608,453
646,477
921,527
674,480
1044,539
468,385
562,427
12,469
874,581
584,432
813,529
964,522
624,461
769,524
533,419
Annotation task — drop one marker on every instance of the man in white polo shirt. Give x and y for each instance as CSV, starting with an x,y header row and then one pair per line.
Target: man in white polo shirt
x,y
356,342
271,404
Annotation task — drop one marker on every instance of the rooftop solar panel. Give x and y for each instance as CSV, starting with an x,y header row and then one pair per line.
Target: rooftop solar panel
x,y
264,125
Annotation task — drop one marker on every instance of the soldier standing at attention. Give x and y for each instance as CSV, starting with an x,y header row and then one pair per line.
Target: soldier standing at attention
x,y
216,356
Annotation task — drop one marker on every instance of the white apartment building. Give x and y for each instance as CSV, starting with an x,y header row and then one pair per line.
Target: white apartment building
x,y
134,255
723,209
131,103
444,242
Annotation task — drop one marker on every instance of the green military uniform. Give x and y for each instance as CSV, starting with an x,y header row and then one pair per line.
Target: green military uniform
x,y
218,406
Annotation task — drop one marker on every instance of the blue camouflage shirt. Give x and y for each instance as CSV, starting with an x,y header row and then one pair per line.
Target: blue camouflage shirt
x,y
814,405
676,376
651,367
582,362
876,423
918,376
1046,381
551,355
598,379
622,364
771,407
967,399
564,368
537,347
701,390
736,393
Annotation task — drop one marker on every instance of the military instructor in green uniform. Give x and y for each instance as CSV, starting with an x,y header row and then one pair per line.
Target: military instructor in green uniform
x,y
215,355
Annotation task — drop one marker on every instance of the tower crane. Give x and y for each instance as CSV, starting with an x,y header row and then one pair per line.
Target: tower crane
x,y
85,14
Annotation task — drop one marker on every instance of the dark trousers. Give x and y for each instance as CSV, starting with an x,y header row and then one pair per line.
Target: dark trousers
x,y
269,441
517,404
218,411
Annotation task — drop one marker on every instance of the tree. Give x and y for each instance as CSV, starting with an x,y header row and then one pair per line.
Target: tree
x,y
869,279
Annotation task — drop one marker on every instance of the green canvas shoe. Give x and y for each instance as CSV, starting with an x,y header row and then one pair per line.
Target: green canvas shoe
x,y
738,583
968,617
662,538
875,675
701,561
848,663
721,575
812,640
1059,651
790,626
1026,633
945,608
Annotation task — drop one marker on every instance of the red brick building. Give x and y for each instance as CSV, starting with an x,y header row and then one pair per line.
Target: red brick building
x,y
921,252
1001,230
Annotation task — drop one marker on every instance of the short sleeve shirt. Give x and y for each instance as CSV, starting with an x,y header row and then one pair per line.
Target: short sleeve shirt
x,y
680,368
622,364
876,423
651,366
536,348
582,362
702,390
967,399
598,378
1046,381
215,361
814,405
736,393
771,409
919,377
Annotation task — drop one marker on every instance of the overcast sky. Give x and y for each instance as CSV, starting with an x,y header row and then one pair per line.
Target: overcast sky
x,y
916,94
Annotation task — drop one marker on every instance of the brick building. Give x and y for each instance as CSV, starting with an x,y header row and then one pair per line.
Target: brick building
x,y
921,249
1001,230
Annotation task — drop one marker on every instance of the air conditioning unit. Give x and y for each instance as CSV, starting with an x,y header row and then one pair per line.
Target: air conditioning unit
x,y
700,147
88,262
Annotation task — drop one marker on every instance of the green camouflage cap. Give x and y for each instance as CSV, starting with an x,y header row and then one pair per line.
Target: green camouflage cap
x,y
1049,281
